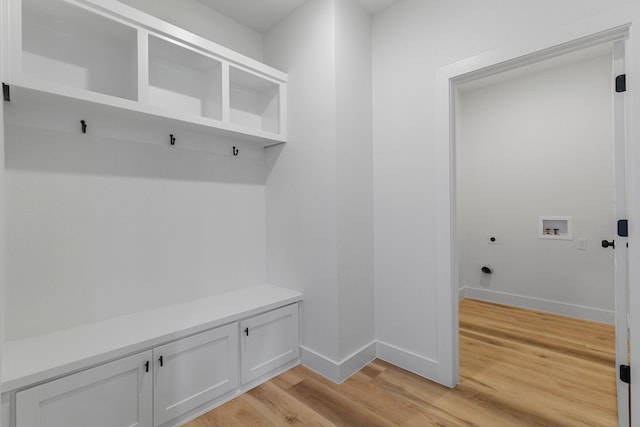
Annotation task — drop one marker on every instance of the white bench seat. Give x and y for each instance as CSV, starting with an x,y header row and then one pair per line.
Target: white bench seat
x,y
33,360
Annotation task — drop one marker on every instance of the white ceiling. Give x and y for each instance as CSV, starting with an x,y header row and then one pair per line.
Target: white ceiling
x,y
263,14
375,6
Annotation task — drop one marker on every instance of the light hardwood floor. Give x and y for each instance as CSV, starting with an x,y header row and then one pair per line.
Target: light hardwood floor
x,y
518,368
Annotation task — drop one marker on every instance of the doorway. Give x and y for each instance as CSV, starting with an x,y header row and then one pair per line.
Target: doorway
x,y
535,185
510,165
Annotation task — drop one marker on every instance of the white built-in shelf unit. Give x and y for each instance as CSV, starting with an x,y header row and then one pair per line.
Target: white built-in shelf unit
x,y
113,55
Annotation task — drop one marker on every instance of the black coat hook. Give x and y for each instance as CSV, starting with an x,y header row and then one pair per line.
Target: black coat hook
x,y
235,151
172,139
83,125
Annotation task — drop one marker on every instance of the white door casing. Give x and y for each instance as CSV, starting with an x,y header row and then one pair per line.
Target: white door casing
x,y
621,250
605,28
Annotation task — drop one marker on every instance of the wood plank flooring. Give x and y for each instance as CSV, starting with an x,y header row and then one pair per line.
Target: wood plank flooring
x,y
518,368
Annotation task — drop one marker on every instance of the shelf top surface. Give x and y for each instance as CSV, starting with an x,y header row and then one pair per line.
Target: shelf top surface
x,y
140,19
59,16
242,78
161,50
35,359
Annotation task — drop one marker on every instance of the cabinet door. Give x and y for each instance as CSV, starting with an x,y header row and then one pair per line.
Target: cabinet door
x,y
269,341
193,371
116,394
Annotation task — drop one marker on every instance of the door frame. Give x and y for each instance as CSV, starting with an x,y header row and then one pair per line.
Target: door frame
x,y
608,27
621,264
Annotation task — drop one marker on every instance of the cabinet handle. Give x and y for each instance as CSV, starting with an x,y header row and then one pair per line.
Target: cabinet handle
x,y
161,360
246,331
146,366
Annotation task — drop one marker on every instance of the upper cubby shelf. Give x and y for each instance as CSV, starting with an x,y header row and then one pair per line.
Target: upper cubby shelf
x,y
108,53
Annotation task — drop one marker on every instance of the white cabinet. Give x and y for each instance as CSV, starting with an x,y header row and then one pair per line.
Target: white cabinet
x,y
181,79
193,371
184,360
117,394
254,101
115,56
173,379
59,47
269,341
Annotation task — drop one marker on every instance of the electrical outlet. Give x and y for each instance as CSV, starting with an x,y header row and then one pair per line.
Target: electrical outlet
x,y
582,244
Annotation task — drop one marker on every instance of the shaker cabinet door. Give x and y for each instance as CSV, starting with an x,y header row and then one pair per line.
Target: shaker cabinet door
x,y
268,341
117,394
194,371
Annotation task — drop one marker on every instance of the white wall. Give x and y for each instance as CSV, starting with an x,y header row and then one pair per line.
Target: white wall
x,y
300,193
539,144
118,221
355,177
319,191
411,42
206,22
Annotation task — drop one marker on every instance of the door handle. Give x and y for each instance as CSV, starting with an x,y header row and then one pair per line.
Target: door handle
x,y
606,244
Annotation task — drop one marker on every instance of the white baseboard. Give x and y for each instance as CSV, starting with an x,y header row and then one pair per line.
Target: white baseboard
x,y
405,359
6,414
338,371
358,360
429,368
565,309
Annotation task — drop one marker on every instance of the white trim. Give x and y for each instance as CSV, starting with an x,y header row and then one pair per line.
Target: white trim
x,y
318,363
565,309
8,409
358,360
408,360
338,371
632,59
600,28
621,294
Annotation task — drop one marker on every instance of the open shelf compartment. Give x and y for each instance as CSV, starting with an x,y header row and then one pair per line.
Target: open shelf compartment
x,y
69,46
183,80
113,55
254,101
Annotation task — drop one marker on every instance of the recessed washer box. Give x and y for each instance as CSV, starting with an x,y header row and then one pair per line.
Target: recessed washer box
x,y
555,227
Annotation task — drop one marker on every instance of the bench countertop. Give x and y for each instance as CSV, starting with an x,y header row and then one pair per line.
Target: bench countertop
x,y
40,358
